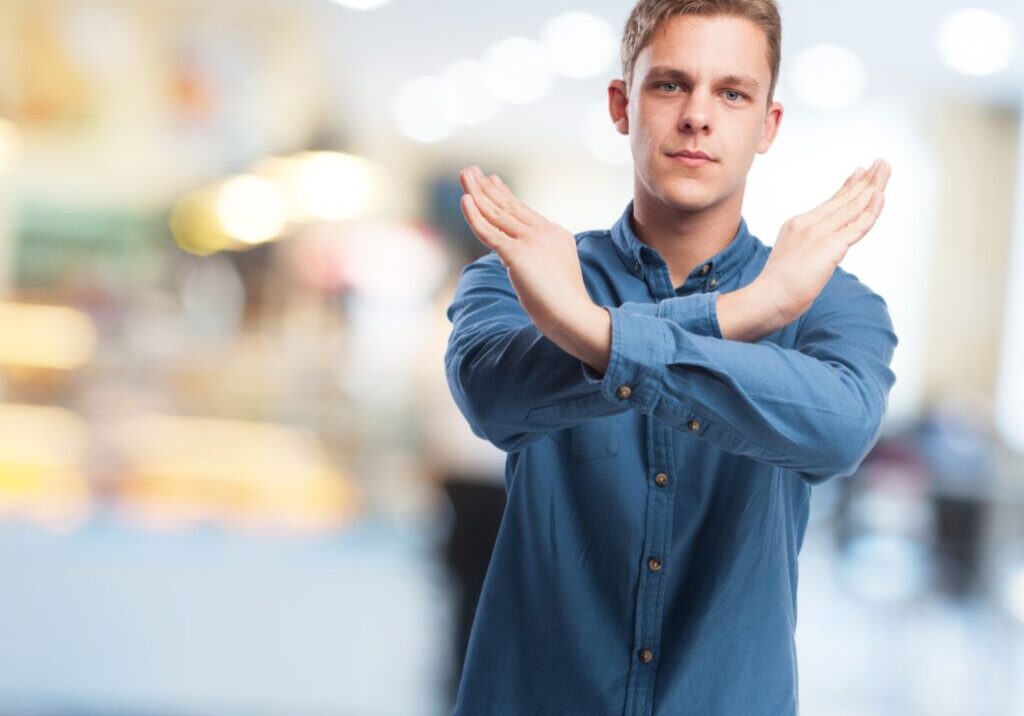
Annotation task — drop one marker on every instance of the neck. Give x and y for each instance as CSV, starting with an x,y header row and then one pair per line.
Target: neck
x,y
685,238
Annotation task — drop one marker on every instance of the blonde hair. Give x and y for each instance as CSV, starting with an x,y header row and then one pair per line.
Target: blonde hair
x,y
647,16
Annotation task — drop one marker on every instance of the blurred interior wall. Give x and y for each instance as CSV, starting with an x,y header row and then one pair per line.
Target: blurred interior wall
x,y
6,227
976,154
1010,398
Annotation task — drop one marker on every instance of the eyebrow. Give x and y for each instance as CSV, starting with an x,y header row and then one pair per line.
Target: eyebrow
x,y
671,73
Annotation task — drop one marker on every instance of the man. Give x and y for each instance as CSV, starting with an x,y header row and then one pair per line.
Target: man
x,y
669,392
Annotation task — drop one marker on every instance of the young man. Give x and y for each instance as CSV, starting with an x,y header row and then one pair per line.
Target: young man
x,y
669,392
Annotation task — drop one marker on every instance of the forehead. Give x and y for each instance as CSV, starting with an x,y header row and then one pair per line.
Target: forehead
x,y
719,45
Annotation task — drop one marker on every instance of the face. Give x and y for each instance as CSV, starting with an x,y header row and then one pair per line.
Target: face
x,y
700,84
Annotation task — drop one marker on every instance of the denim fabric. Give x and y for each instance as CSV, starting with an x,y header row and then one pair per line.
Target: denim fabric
x,y
647,559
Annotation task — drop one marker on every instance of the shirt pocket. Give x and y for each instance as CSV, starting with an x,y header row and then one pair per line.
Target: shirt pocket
x,y
592,437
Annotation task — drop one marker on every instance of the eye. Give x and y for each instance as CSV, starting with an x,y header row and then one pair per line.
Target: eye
x,y
667,84
739,95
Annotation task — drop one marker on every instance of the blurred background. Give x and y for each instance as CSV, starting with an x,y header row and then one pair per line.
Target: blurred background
x,y
232,479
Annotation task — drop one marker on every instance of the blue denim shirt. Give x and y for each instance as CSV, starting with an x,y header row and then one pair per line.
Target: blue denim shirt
x,y
647,558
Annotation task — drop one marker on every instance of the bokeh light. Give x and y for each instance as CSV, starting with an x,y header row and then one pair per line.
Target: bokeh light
x,y
518,70
828,77
251,209
976,42
579,44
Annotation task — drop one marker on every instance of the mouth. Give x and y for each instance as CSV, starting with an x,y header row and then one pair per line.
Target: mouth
x,y
691,159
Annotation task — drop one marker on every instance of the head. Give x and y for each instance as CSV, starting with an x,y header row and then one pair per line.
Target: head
x,y
698,75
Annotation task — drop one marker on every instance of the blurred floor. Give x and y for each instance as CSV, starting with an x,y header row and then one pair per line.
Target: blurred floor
x,y
110,620
114,621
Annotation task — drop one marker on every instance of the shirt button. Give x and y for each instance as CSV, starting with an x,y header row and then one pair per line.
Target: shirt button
x,y
704,269
654,564
636,268
694,425
624,391
661,479
713,282
646,656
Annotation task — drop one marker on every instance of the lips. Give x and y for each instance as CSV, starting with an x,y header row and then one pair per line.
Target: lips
x,y
692,159
692,155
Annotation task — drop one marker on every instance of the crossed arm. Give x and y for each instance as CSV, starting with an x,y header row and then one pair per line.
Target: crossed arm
x,y
525,357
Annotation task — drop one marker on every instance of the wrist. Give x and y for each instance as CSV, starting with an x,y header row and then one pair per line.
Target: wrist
x,y
772,305
585,334
748,314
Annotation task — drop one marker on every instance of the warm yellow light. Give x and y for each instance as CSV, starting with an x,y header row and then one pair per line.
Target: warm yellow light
x,y
325,186
332,186
38,336
41,436
10,145
41,451
180,468
251,209
194,224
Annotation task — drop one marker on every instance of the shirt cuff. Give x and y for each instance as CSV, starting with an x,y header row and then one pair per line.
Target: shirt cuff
x,y
697,313
641,348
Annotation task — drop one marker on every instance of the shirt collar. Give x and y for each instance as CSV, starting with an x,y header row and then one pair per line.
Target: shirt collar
x,y
637,255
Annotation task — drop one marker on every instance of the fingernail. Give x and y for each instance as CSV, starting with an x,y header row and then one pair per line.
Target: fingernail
x,y
498,179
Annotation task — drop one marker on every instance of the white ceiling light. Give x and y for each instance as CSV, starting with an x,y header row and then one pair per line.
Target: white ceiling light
x,y
473,103
602,139
578,44
518,70
362,4
421,109
976,42
828,77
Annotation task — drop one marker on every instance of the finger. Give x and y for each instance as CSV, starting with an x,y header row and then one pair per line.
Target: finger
x,y
488,234
505,200
853,209
849,211
882,177
850,192
516,205
850,181
859,227
850,205
494,214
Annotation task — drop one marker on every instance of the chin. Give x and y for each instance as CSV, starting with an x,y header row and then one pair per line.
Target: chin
x,y
690,197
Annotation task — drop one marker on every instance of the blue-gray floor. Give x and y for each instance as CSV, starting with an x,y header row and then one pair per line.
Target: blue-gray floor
x,y
111,620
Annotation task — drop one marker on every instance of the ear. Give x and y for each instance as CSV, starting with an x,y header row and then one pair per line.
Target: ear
x,y
770,129
618,105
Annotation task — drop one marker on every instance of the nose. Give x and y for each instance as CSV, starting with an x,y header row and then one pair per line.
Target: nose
x,y
695,114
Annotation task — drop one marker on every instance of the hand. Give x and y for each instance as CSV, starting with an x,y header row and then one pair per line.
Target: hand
x,y
541,258
543,267
811,245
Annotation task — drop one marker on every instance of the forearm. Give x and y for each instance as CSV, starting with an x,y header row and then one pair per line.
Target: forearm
x,y
815,412
745,315
748,315
501,368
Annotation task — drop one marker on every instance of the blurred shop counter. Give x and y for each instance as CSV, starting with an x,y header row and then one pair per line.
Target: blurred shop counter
x,y
169,472
113,620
